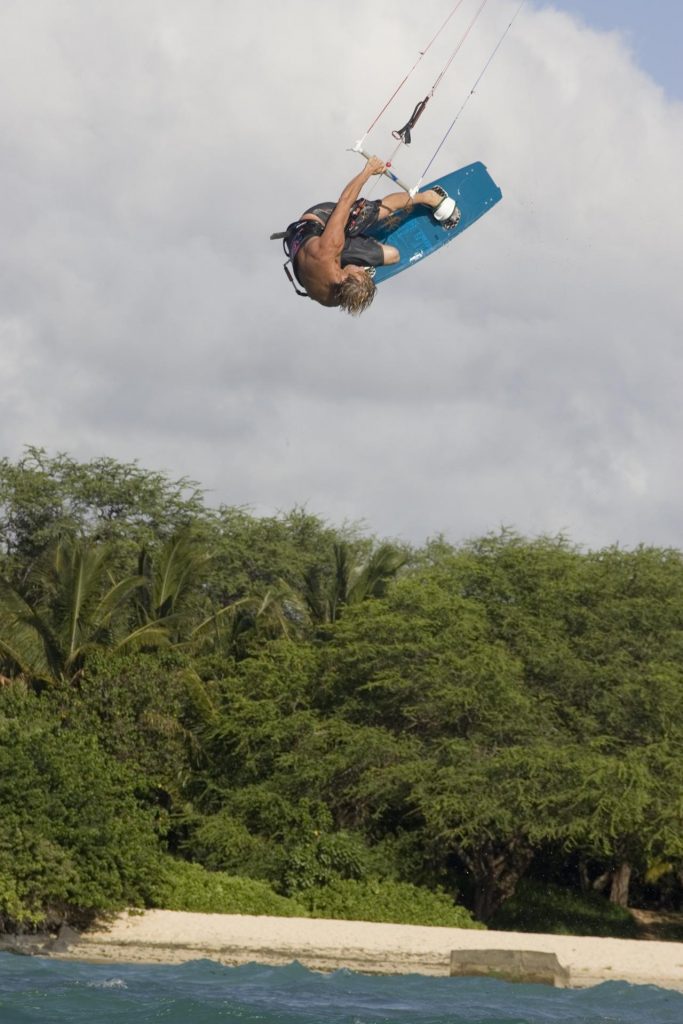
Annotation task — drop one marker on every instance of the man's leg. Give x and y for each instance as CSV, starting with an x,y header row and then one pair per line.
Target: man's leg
x,y
362,251
403,201
390,254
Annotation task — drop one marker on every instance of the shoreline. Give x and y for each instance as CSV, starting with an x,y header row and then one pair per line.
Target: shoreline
x,y
172,937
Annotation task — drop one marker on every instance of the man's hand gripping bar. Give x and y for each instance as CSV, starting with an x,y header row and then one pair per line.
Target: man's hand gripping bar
x,y
388,173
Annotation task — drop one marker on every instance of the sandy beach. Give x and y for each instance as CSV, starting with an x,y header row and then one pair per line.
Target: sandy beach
x,y
164,936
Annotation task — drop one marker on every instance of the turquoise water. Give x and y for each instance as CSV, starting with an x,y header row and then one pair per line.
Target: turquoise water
x,y
203,992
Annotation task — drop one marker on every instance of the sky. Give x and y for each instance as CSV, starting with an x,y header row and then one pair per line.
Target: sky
x,y
652,29
528,376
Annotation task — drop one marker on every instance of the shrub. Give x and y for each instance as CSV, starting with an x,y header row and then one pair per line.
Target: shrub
x,y
74,840
543,907
394,902
135,703
221,842
323,859
185,886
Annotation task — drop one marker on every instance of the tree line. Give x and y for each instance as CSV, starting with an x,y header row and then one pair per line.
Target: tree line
x,y
321,711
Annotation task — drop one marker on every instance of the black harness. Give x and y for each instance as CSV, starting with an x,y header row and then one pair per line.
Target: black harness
x,y
296,235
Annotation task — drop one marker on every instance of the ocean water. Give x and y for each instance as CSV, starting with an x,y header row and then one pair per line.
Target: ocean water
x,y
202,992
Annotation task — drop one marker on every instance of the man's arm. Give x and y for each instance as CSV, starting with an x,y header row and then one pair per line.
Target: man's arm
x,y
332,239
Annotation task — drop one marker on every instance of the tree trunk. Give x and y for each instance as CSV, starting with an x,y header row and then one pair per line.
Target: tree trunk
x,y
496,870
621,879
602,881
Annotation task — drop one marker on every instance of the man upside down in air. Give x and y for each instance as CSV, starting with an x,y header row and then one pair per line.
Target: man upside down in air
x,y
331,253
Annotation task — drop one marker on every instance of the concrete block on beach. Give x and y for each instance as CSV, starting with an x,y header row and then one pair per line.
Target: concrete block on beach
x,y
531,966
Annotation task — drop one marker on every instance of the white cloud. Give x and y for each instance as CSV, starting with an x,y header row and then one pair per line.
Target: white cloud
x,y
528,375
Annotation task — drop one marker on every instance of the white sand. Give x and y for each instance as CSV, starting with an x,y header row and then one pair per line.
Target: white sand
x,y
165,936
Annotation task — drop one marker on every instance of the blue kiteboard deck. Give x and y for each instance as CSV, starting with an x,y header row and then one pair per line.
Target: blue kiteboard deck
x,y
417,235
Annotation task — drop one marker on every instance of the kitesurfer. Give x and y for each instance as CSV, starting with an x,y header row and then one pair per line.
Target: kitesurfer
x,y
330,251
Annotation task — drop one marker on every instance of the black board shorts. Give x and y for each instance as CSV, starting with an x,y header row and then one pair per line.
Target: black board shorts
x,y
359,250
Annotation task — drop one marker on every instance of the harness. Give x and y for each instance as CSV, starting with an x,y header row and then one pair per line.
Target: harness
x,y
296,235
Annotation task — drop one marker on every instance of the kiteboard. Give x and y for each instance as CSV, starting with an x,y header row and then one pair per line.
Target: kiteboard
x,y
417,235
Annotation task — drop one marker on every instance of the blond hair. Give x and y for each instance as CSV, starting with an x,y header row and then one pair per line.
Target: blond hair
x,y
356,293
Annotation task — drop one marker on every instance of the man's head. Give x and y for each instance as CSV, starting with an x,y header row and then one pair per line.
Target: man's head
x,y
356,290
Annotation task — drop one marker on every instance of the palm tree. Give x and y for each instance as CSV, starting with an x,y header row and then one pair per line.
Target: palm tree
x,y
67,606
267,613
171,592
349,580
170,578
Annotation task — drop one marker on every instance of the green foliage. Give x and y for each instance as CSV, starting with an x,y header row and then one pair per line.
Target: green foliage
x,y
351,575
259,710
398,902
323,859
316,709
254,554
426,666
75,839
423,662
222,842
542,907
65,608
185,886
139,706
170,578
43,498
